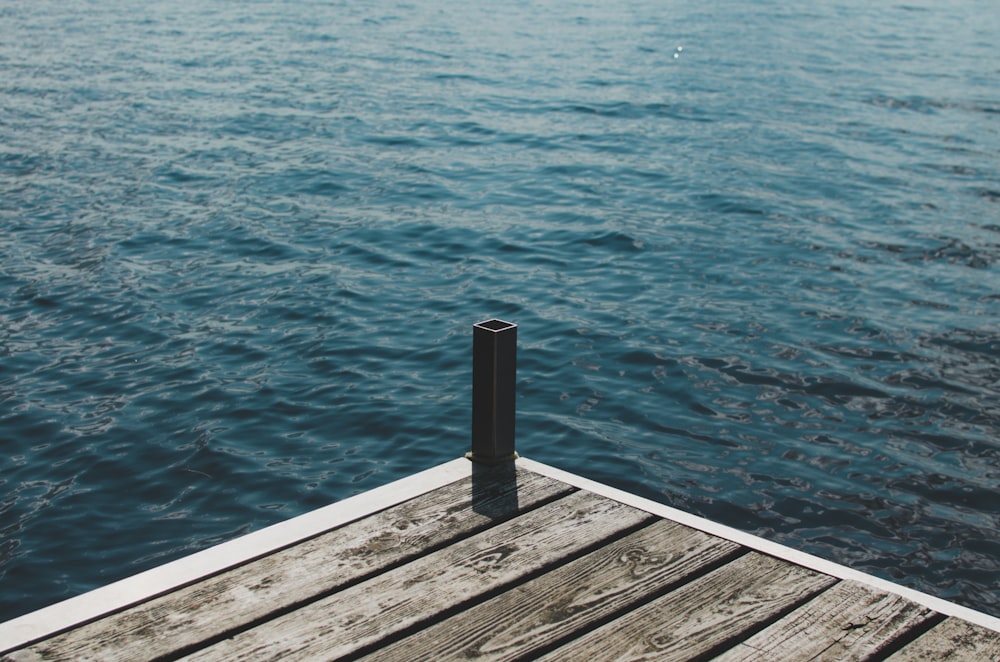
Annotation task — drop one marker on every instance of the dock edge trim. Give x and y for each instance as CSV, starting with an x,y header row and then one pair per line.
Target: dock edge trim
x,y
66,614
759,544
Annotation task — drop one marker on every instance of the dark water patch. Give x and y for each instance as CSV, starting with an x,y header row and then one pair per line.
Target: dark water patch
x,y
631,111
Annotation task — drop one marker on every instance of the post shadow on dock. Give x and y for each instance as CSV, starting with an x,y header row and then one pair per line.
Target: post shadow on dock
x,y
494,490
494,377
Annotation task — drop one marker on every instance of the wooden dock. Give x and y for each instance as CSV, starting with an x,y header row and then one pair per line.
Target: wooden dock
x,y
518,561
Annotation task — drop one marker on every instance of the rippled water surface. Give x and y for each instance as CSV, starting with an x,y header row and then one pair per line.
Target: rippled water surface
x,y
752,248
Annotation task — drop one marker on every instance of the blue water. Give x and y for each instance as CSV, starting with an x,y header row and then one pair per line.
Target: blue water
x,y
752,248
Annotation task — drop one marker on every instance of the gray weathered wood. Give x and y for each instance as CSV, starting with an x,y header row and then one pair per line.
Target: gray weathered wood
x,y
481,568
952,640
847,622
251,592
702,615
402,598
541,612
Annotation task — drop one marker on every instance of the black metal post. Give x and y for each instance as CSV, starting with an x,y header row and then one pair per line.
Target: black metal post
x,y
494,373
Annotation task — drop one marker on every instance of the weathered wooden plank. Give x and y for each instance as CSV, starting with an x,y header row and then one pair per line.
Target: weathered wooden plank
x,y
765,546
697,618
433,585
847,622
346,607
252,592
159,580
952,639
536,615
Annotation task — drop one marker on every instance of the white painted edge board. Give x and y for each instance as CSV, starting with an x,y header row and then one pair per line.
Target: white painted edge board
x,y
763,545
68,613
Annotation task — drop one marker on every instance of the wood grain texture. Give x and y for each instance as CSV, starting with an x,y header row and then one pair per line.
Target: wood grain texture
x,y
508,563
251,592
418,592
847,622
952,640
702,615
541,612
